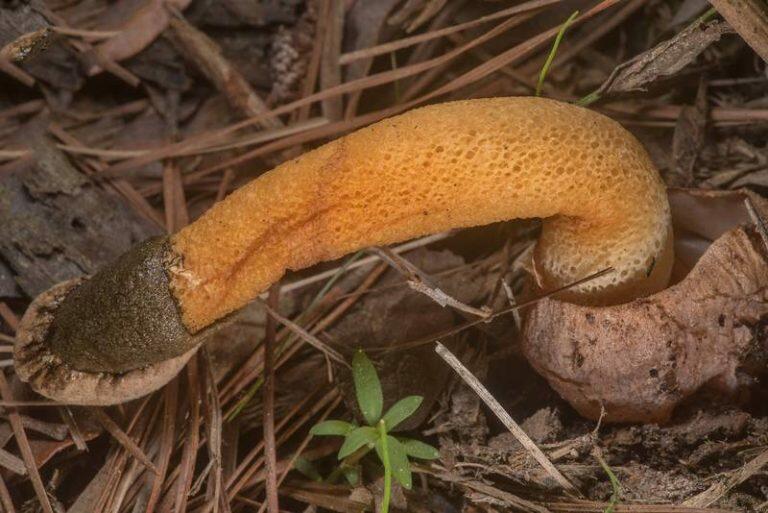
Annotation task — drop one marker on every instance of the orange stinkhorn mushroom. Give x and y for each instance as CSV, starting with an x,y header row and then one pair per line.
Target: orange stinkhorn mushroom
x,y
129,328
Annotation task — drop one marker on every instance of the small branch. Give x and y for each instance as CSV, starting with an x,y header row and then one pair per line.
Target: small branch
x,y
422,283
270,449
469,324
504,417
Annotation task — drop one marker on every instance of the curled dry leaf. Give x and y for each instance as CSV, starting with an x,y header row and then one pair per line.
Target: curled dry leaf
x,y
639,360
663,60
147,22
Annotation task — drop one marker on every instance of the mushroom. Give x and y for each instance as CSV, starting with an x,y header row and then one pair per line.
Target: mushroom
x,y
126,330
636,361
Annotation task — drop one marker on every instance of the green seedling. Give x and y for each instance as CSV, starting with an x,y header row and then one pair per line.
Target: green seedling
x,y
553,52
393,451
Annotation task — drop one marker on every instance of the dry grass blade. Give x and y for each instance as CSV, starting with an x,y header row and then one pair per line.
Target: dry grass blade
x,y
26,451
16,72
121,186
734,478
12,463
10,318
405,42
214,432
469,324
206,55
5,498
74,429
167,441
505,418
176,214
300,449
306,336
423,284
189,454
600,507
330,70
13,154
249,468
23,109
347,87
268,421
122,438
507,498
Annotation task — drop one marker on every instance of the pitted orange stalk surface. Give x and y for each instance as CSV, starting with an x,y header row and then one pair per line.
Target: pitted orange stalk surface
x,y
445,166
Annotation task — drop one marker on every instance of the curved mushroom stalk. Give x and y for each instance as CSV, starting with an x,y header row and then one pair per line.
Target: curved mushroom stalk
x,y
432,169
639,360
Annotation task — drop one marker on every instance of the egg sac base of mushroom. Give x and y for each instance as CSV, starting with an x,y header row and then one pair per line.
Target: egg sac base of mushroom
x,y
639,360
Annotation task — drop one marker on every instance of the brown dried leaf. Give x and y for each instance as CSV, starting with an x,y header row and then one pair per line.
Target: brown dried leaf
x,y
664,60
138,31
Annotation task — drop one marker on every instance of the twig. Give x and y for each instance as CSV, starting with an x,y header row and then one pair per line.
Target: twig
x,y
422,283
759,221
270,449
504,417
469,324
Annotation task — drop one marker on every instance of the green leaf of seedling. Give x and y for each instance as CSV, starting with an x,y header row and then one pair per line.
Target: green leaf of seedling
x,y
307,468
357,438
398,461
401,410
367,388
420,450
332,428
352,475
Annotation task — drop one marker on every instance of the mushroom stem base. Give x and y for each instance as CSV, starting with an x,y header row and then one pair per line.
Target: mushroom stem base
x,y
639,360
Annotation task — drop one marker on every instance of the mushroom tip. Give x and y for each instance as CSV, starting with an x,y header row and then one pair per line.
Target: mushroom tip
x,y
51,377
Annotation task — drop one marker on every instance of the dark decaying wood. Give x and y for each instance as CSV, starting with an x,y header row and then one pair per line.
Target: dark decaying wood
x,y
57,223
